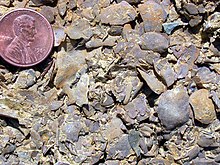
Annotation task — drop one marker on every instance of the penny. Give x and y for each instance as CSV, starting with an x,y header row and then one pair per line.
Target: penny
x,y
26,37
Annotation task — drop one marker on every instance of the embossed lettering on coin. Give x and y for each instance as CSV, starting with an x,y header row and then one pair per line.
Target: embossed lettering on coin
x,y
26,38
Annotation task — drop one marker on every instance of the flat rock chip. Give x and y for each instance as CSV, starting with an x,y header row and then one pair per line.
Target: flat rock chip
x,y
153,16
164,69
189,55
173,107
73,61
154,41
152,81
118,14
59,35
202,106
79,29
121,149
48,13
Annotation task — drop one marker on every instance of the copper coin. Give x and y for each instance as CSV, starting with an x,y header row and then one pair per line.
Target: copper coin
x,y
26,37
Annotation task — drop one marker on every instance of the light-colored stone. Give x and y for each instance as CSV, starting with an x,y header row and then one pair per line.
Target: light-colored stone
x,y
202,106
118,14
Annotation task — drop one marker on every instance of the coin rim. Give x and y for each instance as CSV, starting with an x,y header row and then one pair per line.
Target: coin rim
x,y
50,46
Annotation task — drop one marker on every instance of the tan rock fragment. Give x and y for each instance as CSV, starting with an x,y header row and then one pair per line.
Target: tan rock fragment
x,y
202,106
118,14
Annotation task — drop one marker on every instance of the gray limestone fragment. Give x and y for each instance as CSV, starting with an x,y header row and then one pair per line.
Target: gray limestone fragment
x,y
71,131
118,14
154,41
121,149
134,138
152,81
26,78
173,108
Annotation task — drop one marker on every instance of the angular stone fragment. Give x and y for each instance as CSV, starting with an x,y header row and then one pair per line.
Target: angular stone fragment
x,y
203,107
121,149
88,13
189,55
195,21
48,13
73,61
130,34
206,140
94,43
151,80
26,78
54,105
71,4
62,8
204,161
169,27
114,126
115,30
215,99
163,68
118,14
153,16
173,108
81,90
205,76
59,35
87,3
71,131
112,162
79,29
154,41
134,138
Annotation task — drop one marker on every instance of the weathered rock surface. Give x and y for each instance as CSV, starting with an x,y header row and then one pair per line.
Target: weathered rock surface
x,y
154,41
151,80
153,16
118,14
127,82
202,106
173,108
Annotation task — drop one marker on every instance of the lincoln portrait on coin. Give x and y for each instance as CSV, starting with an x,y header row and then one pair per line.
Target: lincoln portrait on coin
x,y
19,50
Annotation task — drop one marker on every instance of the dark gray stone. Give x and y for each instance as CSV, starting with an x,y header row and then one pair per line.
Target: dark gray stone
x,y
173,108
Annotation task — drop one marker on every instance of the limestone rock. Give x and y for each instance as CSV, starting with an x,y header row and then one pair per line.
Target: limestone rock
x,y
173,108
118,14
202,106
154,41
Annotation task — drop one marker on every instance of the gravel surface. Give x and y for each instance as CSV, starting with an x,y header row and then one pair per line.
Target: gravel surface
x,y
131,82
